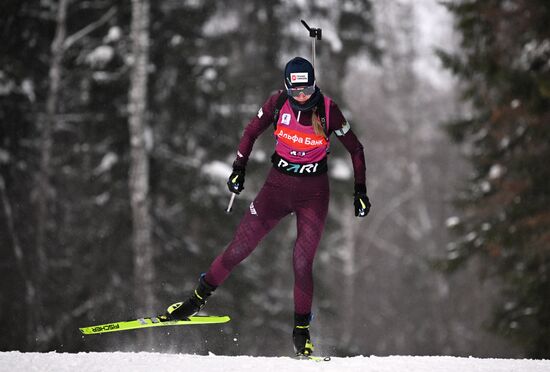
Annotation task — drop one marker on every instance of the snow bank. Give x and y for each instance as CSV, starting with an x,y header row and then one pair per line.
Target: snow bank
x,y
146,362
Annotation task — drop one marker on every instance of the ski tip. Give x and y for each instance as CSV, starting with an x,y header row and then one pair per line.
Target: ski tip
x,y
86,331
210,318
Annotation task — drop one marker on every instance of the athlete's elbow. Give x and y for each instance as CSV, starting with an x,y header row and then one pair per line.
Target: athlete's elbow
x,y
358,149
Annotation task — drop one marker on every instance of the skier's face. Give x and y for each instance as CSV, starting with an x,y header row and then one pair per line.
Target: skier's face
x,y
301,94
302,97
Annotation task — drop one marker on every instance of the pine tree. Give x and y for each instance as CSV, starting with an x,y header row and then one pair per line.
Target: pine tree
x,y
504,69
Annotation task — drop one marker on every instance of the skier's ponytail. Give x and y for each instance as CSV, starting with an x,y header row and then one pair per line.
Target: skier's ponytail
x,y
316,122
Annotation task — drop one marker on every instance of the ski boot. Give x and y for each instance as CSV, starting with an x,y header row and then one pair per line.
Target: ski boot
x,y
191,306
300,335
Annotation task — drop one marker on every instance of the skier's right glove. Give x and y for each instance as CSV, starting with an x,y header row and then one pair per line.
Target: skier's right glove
x,y
361,201
235,183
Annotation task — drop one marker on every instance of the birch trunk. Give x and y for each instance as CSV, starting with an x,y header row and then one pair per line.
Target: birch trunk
x,y
44,191
44,187
348,282
29,328
139,163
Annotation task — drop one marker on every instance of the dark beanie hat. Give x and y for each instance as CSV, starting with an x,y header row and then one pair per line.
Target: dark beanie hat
x,y
298,73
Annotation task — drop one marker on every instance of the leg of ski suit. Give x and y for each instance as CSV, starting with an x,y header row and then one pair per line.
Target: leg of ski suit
x,y
281,194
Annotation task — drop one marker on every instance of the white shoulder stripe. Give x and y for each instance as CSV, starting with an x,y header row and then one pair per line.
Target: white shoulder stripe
x,y
342,131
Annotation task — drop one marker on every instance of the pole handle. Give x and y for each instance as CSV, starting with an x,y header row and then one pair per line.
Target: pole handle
x,y
315,33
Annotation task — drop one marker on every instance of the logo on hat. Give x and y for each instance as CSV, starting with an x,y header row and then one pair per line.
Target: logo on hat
x,y
299,77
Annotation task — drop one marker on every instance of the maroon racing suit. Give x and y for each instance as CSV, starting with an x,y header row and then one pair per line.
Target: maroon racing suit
x,y
291,187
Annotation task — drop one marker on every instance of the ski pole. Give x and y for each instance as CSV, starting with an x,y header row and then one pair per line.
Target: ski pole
x,y
228,210
314,33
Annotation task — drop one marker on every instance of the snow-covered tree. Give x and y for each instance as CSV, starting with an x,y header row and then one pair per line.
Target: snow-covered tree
x,y
505,74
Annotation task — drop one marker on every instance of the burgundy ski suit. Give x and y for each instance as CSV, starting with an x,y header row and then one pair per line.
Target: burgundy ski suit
x,y
291,186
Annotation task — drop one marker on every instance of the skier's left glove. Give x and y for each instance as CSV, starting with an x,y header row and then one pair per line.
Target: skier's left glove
x,y
235,183
361,201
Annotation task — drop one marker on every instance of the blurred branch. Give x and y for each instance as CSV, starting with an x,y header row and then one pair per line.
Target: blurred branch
x,y
391,207
166,154
66,319
70,40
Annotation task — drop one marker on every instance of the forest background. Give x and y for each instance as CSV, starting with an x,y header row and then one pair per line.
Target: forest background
x,y
119,121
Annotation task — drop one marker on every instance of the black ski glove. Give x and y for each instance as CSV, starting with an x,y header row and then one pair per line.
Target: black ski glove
x,y
361,201
235,183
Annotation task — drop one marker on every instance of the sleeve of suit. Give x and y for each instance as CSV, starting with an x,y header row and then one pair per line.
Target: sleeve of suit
x,y
257,125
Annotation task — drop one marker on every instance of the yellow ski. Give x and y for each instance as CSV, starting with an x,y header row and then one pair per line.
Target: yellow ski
x,y
159,321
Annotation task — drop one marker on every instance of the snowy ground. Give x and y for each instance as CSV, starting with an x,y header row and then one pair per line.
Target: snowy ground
x,y
146,362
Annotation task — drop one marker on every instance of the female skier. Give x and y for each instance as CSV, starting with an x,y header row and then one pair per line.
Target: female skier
x,y
303,120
